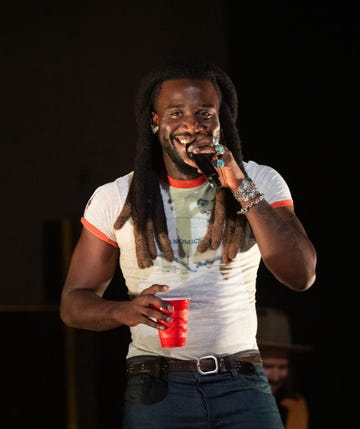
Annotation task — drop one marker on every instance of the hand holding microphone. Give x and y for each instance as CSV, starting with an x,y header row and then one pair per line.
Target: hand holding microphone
x,y
206,165
205,161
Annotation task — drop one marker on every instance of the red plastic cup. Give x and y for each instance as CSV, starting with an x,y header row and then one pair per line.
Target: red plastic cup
x,y
175,333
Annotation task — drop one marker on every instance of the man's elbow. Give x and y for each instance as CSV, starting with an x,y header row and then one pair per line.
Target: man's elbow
x,y
302,283
65,315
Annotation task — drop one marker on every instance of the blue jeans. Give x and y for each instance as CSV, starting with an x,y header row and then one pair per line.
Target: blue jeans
x,y
189,400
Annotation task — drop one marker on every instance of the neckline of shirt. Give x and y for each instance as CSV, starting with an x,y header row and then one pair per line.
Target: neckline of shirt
x,y
193,183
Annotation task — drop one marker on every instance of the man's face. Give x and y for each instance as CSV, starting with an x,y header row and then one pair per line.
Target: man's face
x,y
276,370
185,110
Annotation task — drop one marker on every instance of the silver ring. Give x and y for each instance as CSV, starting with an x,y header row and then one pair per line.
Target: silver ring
x,y
214,140
220,163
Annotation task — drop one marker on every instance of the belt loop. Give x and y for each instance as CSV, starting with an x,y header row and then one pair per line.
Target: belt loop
x,y
232,365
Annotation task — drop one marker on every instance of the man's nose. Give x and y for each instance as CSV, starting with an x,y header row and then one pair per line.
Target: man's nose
x,y
193,125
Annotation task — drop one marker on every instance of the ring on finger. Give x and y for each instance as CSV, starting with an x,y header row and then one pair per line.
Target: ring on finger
x,y
214,140
220,163
219,149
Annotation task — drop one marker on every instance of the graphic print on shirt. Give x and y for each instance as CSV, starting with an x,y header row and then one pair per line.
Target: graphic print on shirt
x,y
188,219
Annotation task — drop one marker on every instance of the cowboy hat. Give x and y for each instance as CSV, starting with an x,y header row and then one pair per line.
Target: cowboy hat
x,y
274,331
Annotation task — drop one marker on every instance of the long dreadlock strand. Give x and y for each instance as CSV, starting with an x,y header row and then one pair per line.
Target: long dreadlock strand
x,y
142,250
161,231
235,239
150,239
234,229
125,213
228,233
145,246
213,236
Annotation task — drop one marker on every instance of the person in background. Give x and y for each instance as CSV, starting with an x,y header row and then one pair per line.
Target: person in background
x,y
275,343
178,229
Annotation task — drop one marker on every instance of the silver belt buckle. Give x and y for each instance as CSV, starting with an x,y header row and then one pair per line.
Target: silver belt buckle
x,y
211,371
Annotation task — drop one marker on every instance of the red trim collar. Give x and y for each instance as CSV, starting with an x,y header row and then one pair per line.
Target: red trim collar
x,y
176,183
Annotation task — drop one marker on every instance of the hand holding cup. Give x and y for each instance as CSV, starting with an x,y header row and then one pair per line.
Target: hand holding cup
x,y
174,334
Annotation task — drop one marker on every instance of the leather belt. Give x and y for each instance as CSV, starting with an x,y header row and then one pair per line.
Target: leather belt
x,y
206,365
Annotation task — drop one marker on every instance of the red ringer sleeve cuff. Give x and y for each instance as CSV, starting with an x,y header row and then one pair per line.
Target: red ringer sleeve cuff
x,y
97,232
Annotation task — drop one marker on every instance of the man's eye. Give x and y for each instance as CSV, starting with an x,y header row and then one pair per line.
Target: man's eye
x,y
205,115
175,114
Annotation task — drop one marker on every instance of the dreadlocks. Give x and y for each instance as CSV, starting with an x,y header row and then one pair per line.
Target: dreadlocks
x,y
144,203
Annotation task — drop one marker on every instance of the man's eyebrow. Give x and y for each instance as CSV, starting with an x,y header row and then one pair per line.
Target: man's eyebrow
x,y
208,105
172,106
178,106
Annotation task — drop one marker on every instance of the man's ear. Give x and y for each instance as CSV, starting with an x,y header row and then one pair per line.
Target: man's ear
x,y
154,123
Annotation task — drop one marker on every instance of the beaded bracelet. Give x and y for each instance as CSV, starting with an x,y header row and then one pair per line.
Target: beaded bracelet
x,y
253,203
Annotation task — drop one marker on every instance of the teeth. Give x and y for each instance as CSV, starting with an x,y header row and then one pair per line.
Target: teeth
x,y
185,139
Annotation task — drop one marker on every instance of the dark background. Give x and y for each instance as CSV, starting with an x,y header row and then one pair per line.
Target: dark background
x,y
69,73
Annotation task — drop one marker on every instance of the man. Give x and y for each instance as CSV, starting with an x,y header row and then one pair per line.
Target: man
x,y
276,347
176,232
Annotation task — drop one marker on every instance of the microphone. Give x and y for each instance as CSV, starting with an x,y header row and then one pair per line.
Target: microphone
x,y
205,163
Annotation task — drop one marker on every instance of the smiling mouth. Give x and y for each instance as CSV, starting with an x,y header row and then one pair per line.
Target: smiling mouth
x,y
184,139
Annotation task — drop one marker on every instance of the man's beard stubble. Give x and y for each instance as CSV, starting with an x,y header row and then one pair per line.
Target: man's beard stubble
x,y
181,166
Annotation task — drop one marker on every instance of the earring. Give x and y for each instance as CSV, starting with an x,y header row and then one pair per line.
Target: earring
x,y
154,128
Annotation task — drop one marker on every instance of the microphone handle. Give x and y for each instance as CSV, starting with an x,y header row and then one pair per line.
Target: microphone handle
x,y
205,163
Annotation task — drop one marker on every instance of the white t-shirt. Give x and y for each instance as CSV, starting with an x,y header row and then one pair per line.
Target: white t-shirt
x,y
222,315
